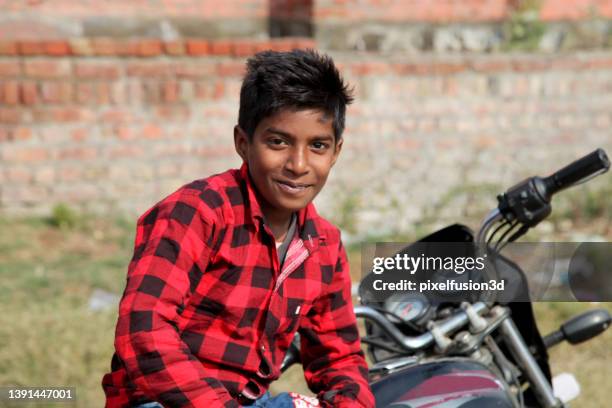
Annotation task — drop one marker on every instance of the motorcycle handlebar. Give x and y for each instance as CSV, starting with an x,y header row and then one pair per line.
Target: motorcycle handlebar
x,y
413,343
590,165
528,202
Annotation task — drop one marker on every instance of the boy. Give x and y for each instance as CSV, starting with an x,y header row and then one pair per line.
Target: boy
x,y
228,268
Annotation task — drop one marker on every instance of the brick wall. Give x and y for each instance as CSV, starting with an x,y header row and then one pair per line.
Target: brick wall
x,y
117,132
114,120
165,19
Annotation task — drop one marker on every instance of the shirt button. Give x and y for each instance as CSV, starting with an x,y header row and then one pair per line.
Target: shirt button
x,y
262,348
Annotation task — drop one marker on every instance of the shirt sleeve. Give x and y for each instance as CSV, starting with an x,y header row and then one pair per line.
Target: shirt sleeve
x,y
334,365
172,250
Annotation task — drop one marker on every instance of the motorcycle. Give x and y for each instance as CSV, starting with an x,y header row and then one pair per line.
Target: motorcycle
x,y
479,350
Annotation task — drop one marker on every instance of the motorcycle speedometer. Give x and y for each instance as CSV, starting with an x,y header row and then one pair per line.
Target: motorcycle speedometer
x,y
409,307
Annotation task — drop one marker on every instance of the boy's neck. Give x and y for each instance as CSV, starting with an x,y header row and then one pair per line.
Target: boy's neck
x,y
278,223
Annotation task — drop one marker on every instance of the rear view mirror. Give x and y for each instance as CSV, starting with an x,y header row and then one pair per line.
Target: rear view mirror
x,y
586,325
580,328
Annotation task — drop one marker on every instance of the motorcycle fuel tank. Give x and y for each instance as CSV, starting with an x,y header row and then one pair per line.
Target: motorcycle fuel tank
x,y
452,383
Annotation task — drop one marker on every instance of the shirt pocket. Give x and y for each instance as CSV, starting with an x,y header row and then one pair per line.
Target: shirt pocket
x,y
296,309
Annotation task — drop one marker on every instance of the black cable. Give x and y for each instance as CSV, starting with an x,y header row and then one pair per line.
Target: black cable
x,y
522,231
382,345
498,244
409,324
503,224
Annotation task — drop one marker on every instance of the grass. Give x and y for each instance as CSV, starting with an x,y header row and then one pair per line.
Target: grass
x,y
49,336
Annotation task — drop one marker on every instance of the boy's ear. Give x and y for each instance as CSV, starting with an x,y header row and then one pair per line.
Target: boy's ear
x,y
241,142
337,149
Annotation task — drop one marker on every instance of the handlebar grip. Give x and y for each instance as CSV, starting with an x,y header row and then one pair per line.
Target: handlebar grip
x,y
592,164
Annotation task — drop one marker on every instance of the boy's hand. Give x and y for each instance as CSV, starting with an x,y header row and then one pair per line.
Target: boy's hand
x,y
302,401
286,400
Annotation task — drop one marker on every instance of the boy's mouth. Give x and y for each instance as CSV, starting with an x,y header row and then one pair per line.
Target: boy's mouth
x,y
292,188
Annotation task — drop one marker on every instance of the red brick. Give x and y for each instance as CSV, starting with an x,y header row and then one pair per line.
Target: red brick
x,y
103,94
28,93
57,48
9,69
170,91
198,47
117,115
19,133
97,70
599,63
194,69
556,10
221,47
148,69
69,173
47,68
5,135
30,154
173,112
151,131
62,114
174,47
9,48
369,68
134,92
282,44
18,175
202,90
78,135
243,48
78,153
126,48
149,48
118,93
93,92
84,93
81,46
31,47
152,92
9,92
567,63
219,90
131,150
124,133
447,68
22,133
530,65
10,115
303,43
56,92
260,46
44,175
491,65
412,69
104,46
226,69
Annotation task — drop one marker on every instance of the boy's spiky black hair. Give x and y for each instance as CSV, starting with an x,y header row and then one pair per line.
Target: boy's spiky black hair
x,y
298,79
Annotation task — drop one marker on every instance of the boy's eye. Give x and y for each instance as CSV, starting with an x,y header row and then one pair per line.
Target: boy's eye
x,y
320,145
276,142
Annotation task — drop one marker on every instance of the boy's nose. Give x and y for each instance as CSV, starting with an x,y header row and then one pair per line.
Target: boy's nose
x,y
297,162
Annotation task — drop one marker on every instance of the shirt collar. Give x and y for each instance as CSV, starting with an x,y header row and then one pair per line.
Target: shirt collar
x,y
307,217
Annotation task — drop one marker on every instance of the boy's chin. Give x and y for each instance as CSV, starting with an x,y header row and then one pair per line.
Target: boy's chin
x,y
290,206
293,207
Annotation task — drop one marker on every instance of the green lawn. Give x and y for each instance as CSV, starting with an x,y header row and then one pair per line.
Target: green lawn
x,y
49,336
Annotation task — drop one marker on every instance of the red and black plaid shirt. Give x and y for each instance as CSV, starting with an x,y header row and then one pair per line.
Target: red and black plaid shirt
x,y
208,314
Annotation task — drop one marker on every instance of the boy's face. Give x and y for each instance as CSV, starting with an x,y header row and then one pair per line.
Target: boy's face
x,y
289,158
